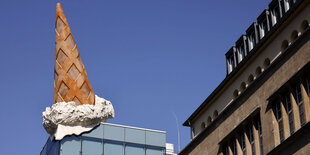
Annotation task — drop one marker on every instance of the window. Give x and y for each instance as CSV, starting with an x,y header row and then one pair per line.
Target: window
x,y
244,134
285,6
215,113
251,139
275,15
289,102
241,52
304,25
263,28
236,57
308,86
193,132
294,35
284,45
203,125
258,71
299,102
250,78
234,147
251,41
235,94
209,120
242,86
288,106
225,150
280,121
259,128
230,64
266,63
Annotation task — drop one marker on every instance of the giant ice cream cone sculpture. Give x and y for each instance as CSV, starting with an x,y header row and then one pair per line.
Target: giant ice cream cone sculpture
x,y
76,108
70,79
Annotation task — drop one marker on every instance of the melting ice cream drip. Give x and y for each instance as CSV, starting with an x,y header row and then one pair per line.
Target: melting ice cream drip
x,y
67,118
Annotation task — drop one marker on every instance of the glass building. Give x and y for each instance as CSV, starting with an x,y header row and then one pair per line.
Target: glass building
x,y
109,139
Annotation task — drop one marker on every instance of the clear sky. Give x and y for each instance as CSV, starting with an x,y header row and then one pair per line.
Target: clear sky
x,y
150,58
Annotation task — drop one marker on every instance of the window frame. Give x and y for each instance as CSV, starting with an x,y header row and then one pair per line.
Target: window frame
x,y
289,111
278,112
251,139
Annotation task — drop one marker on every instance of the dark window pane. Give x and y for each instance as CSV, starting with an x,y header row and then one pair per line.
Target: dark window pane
x,y
260,136
278,111
225,149
234,147
308,86
281,130
251,139
288,106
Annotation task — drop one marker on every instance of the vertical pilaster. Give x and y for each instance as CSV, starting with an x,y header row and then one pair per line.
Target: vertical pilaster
x,y
295,109
230,148
247,142
275,128
238,145
286,128
305,98
256,138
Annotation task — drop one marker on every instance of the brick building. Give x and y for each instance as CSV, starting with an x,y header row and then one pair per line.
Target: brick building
x,y
262,105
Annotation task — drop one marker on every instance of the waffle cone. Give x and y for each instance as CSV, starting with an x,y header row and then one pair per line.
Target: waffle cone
x,y
70,80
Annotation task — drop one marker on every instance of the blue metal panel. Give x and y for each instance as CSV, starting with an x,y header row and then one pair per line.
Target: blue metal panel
x,y
44,151
154,151
111,148
155,138
51,147
113,133
111,140
135,136
70,145
134,150
96,132
91,146
54,148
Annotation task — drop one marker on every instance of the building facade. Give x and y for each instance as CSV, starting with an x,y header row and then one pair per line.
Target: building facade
x,y
262,105
170,149
110,139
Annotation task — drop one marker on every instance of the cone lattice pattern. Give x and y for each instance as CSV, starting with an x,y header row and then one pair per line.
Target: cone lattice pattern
x,y
70,79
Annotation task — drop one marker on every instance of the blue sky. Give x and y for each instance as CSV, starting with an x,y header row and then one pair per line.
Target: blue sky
x,y
150,58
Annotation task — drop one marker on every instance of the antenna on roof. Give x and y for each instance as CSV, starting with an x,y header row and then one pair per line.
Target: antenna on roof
x,y
177,123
